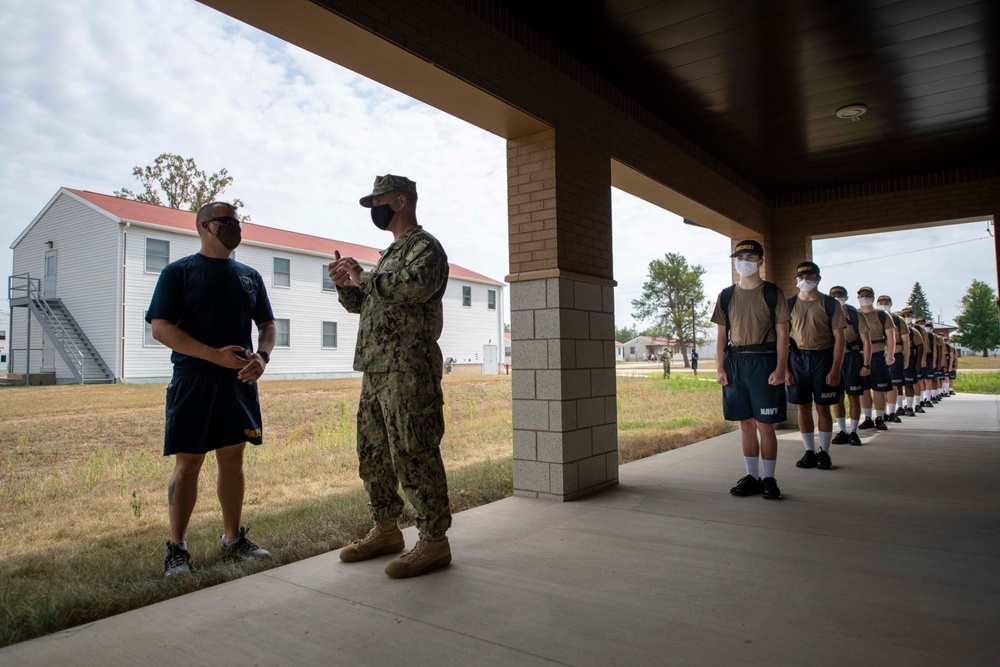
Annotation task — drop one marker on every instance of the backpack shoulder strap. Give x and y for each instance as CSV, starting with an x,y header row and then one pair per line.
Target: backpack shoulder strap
x,y
852,316
791,303
771,299
724,299
830,304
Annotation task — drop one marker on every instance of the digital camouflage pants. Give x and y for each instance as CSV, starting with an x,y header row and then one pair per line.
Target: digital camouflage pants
x,y
400,426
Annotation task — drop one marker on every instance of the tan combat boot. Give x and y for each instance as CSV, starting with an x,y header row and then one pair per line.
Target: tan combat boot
x,y
429,553
385,537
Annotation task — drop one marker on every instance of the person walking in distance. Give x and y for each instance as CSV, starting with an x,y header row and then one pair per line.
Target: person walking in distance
x,y
752,354
400,412
202,309
815,357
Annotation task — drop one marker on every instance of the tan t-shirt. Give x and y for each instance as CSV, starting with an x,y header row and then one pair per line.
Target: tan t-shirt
x,y
811,328
850,336
750,317
916,339
901,330
876,330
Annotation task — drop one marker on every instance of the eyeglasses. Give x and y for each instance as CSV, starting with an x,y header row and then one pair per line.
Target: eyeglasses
x,y
226,220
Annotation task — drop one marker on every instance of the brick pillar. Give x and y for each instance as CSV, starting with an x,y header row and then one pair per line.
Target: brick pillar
x,y
562,317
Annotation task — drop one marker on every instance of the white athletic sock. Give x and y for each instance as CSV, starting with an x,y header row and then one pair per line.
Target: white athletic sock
x,y
890,408
842,424
899,402
769,467
909,402
868,412
809,440
824,440
854,426
753,466
878,414
923,395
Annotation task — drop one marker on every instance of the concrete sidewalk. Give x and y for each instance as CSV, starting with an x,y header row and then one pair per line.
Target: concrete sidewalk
x,y
891,558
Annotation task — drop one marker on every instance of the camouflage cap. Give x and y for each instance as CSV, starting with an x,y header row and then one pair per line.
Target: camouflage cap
x,y
390,183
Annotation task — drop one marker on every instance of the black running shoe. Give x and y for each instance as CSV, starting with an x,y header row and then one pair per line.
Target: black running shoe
x,y
823,461
748,486
920,409
894,418
866,424
244,548
808,460
771,491
951,393
840,439
880,424
178,561
908,411
854,439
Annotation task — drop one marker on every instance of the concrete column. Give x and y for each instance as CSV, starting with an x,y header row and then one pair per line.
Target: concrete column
x,y
562,318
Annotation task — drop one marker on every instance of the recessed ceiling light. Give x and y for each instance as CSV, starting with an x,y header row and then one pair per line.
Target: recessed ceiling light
x,y
852,111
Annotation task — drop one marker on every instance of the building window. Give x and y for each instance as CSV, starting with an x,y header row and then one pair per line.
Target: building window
x,y
157,255
467,296
329,334
491,299
3,335
328,285
283,335
282,272
147,333
3,358
631,350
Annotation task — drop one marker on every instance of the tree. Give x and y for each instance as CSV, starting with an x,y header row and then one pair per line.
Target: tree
x,y
667,296
918,303
178,183
625,334
979,321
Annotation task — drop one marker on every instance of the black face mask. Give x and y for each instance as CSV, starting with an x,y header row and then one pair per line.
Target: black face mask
x,y
382,215
229,236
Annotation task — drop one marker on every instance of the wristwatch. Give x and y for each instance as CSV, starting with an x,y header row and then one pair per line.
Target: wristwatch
x,y
866,366
267,357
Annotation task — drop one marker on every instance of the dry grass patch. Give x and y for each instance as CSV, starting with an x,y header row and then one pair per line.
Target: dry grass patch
x,y
83,483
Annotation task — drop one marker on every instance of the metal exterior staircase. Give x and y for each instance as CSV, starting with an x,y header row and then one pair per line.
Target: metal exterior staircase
x,y
61,329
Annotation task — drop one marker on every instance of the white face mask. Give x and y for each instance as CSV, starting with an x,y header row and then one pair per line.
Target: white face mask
x,y
885,308
745,268
865,300
909,320
807,285
842,300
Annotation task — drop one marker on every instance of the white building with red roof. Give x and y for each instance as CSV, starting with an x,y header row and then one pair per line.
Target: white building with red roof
x,y
85,268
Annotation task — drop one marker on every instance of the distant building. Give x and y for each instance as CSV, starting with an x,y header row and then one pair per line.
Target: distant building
x,y
641,348
86,266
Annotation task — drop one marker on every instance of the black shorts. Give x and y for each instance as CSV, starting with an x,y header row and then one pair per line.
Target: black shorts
x,y
207,410
809,368
879,379
694,364
951,374
910,372
748,395
927,371
850,373
896,370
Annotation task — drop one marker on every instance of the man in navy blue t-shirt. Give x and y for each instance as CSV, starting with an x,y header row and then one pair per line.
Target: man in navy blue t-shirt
x,y
202,309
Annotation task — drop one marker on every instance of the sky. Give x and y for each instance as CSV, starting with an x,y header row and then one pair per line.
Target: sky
x,y
92,88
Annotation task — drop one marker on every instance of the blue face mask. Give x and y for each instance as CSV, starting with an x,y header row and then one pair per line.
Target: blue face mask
x,y
382,215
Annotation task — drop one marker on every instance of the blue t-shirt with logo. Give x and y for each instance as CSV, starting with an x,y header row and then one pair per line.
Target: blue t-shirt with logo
x,y
213,301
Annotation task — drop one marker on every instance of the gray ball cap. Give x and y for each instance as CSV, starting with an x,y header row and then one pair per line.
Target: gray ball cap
x,y
390,183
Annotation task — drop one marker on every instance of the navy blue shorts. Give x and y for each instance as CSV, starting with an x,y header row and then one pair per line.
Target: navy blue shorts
x,y
910,372
207,410
951,374
896,370
879,379
748,395
927,372
809,368
850,372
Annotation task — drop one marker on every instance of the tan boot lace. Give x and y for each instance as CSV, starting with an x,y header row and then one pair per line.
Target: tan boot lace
x,y
416,551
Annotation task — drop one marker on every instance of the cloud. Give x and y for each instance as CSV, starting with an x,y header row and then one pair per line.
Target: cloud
x,y
91,88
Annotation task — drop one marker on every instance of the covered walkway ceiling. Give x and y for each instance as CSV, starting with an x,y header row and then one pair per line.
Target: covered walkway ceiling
x,y
757,83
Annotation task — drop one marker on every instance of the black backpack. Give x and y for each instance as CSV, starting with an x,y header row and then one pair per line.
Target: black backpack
x,y
770,298
854,318
829,305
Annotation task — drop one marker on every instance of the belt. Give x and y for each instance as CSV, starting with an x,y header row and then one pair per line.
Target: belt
x,y
823,351
749,349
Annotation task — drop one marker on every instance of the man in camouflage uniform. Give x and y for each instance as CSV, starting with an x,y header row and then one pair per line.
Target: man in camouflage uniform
x,y
400,413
